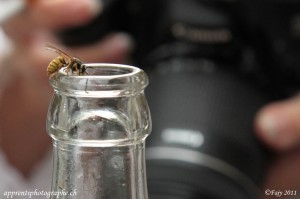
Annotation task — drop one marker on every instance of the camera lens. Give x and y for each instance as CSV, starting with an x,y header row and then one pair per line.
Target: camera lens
x,y
202,144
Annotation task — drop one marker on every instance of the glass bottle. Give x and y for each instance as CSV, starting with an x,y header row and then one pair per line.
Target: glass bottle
x,y
98,123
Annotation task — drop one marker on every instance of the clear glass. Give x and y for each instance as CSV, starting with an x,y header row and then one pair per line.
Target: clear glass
x,y
98,123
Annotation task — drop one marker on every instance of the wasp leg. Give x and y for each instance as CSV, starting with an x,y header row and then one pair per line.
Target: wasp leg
x,y
66,70
86,84
53,74
87,68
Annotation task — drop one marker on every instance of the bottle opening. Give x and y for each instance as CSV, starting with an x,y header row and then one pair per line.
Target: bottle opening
x,y
108,71
109,80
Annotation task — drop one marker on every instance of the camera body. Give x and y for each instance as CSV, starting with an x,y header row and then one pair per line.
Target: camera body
x,y
212,65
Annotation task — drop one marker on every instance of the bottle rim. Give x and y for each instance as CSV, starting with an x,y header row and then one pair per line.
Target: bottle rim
x,y
101,79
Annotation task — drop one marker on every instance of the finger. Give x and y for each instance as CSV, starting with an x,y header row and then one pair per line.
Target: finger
x,y
18,28
278,124
57,14
114,48
54,14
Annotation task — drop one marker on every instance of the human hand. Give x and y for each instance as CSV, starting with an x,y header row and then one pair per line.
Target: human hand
x,y
278,125
25,93
36,25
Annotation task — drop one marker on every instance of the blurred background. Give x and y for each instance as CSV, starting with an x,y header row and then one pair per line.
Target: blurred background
x,y
213,65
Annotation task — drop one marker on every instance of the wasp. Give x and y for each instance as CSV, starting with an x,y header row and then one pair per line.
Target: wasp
x,y
64,60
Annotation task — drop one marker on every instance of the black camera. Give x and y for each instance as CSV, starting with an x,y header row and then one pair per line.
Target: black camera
x,y
212,65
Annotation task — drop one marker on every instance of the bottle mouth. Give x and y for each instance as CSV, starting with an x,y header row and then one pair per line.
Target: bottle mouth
x,y
101,79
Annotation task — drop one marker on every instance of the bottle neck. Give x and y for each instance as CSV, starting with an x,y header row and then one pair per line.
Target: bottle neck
x,y
99,123
99,172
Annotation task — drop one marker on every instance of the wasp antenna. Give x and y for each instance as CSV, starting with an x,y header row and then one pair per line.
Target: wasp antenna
x,y
88,66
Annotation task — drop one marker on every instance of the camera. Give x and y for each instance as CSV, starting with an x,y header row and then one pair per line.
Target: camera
x,y
212,65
